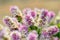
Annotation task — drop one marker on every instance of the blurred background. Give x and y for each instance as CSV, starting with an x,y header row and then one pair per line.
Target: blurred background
x,y
53,5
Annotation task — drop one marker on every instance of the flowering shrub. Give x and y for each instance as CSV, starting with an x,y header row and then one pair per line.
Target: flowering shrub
x,y
36,24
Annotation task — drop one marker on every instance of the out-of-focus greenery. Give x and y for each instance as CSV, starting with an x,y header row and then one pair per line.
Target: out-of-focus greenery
x,y
32,27
57,35
19,18
58,25
52,23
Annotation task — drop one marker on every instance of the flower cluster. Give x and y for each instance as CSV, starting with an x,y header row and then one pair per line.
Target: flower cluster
x,y
36,24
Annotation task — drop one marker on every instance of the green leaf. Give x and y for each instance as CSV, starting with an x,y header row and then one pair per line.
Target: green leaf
x,y
58,25
33,27
29,29
39,31
57,35
19,18
52,23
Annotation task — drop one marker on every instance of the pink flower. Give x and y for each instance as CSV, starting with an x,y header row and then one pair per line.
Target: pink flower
x,y
45,34
44,14
28,20
50,31
32,36
26,10
53,30
13,9
7,21
23,28
50,15
10,22
55,38
33,13
15,35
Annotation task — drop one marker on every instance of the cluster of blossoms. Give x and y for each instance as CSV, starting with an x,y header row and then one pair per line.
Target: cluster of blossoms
x,y
29,24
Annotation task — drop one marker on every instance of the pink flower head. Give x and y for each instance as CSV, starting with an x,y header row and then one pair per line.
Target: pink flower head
x,y
13,9
45,33
51,14
26,11
7,21
28,20
50,31
23,28
53,30
10,22
32,36
15,35
44,12
44,15
32,13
